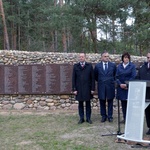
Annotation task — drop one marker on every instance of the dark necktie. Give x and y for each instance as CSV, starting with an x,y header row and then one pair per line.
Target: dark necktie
x,y
106,67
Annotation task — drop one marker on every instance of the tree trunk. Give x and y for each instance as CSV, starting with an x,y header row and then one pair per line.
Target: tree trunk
x,y
6,40
93,32
64,37
18,33
64,40
54,36
43,43
13,41
113,31
113,36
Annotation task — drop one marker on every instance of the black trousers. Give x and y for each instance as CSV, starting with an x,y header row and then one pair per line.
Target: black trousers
x,y
87,107
103,108
147,115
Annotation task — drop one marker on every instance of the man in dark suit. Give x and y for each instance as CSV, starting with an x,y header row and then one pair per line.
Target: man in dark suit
x,y
144,74
83,86
105,76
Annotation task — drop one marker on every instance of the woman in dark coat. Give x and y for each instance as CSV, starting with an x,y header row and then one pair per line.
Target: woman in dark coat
x,y
105,78
83,86
126,71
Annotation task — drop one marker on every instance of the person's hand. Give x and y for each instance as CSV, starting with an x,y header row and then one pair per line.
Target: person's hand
x,y
75,92
92,92
123,86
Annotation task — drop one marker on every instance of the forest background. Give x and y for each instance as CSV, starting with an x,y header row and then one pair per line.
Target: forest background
x,y
75,25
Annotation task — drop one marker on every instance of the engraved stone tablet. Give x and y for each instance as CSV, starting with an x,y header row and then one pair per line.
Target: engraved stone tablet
x,y
10,79
65,78
38,79
52,79
1,79
24,79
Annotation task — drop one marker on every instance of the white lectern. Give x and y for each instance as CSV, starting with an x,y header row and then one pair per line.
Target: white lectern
x,y
135,112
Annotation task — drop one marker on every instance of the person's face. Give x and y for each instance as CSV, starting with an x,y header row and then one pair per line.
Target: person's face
x,y
82,57
148,57
105,57
125,59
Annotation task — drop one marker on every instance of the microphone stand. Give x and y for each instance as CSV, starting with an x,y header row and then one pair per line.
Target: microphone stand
x,y
119,129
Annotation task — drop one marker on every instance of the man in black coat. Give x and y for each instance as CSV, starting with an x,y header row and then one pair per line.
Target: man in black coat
x,y
144,74
83,86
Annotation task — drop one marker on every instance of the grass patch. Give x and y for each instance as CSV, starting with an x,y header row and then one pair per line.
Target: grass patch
x,y
56,132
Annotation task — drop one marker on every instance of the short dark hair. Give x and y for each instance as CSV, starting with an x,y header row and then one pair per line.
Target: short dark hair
x,y
104,52
126,54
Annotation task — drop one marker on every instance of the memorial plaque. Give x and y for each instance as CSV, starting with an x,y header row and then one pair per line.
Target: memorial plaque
x,y
24,79
52,79
10,79
1,79
38,79
65,78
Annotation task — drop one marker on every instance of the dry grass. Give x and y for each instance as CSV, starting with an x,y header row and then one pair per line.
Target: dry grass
x,y
57,130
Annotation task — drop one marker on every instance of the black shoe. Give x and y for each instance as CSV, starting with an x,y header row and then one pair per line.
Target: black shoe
x,y
123,121
148,132
89,121
103,120
81,121
110,119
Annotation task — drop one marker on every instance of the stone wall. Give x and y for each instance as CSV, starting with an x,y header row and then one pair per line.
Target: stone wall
x,y
47,102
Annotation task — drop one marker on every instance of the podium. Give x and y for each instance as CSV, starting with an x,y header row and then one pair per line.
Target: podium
x,y
137,103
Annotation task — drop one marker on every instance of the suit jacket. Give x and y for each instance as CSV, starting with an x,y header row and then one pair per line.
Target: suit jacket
x,y
83,81
105,81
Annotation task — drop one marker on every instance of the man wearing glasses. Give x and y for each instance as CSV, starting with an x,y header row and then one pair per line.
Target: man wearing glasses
x,y
144,74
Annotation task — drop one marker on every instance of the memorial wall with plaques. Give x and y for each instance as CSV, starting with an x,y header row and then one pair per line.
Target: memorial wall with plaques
x,y
36,79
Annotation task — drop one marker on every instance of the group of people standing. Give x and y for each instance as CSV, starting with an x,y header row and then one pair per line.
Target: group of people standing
x,y
110,79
